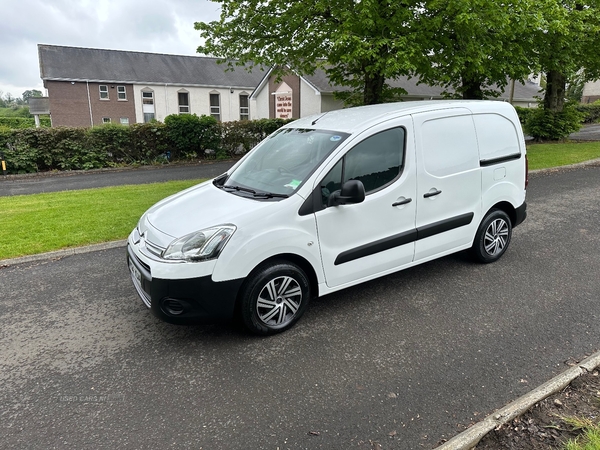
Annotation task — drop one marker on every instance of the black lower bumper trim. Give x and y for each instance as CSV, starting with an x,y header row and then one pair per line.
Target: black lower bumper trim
x,y
201,299
187,301
520,214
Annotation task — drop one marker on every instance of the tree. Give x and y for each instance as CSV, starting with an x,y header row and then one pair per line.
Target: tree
x,y
475,46
358,43
567,46
30,93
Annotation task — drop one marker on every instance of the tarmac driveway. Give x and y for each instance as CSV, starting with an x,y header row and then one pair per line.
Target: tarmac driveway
x,y
397,363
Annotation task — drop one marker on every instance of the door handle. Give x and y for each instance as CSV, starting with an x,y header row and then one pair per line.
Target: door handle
x,y
432,194
402,202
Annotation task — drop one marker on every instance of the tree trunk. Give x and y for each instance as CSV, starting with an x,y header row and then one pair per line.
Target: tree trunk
x,y
471,90
554,97
373,89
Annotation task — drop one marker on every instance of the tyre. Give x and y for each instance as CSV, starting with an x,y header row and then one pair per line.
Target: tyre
x,y
493,236
274,297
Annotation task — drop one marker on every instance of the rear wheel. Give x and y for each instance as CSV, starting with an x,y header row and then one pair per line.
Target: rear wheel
x,y
493,236
274,298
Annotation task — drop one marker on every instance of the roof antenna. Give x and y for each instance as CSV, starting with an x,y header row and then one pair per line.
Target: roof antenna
x,y
318,118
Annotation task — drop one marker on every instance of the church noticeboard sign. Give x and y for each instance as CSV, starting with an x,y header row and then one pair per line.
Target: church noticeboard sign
x,y
283,105
283,101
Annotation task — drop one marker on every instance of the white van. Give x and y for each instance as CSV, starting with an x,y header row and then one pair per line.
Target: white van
x,y
330,201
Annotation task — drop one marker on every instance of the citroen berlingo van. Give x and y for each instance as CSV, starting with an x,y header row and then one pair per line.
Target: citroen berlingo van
x,y
331,201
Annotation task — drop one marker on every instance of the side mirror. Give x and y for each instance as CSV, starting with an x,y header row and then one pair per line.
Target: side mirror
x,y
352,191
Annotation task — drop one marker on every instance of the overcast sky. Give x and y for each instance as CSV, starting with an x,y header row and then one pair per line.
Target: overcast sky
x,y
158,26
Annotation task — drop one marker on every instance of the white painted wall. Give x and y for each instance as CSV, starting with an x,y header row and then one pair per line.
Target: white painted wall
x,y
310,99
328,103
591,88
166,101
261,107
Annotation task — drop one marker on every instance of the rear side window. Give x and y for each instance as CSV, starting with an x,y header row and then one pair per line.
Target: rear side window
x,y
376,161
449,145
497,137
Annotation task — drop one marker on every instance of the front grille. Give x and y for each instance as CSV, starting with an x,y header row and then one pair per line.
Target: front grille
x,y
143,264
153,248
143,295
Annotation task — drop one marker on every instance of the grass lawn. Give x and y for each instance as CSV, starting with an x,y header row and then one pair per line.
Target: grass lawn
x,y
542,156
39,223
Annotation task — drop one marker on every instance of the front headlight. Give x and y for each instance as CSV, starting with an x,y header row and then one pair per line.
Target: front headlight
x,y
201,245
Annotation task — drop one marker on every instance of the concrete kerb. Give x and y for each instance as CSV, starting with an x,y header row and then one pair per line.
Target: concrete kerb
x,y
62,253
471,437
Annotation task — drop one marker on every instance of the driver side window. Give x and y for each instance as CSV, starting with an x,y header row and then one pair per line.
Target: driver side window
x,y
376,161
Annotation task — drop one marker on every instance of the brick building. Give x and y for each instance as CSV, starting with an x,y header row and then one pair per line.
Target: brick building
x,y
89,87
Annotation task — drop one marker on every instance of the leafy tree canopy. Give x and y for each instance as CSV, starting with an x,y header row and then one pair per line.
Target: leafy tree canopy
x,y
471,47
30,93
475,46
566,46
358,43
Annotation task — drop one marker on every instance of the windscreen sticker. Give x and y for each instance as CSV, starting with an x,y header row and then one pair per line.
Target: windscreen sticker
x,y
293,184
335,138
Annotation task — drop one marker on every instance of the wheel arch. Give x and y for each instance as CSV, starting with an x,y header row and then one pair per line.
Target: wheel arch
x,y
298,260
507,207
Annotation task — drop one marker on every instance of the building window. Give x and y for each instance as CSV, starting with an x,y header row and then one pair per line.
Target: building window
x,y
184,102
106,120
215,108
124,120
121,93
148,105
103,92
244,109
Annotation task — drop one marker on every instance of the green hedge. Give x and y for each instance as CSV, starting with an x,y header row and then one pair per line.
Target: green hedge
x,y
181,137
22,122
591,112
546,125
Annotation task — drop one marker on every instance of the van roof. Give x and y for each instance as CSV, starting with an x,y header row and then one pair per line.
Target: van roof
x,y
354,119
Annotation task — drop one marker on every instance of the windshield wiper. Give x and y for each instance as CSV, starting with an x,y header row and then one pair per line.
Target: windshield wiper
x,y
270,195
239,188
253,192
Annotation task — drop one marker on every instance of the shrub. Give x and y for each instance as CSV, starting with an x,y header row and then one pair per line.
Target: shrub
x,y
591,112
181,137
149,143
240,137
23,122
111,143
548,125
191,135
524,113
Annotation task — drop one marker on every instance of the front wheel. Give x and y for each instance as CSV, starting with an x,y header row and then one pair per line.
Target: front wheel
x,y
274,298
493,236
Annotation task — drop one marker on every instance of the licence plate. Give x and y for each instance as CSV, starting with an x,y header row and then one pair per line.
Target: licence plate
x,y
135,273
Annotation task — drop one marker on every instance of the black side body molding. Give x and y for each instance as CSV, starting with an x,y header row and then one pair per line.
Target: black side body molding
x,y
491,162
404,238
376,247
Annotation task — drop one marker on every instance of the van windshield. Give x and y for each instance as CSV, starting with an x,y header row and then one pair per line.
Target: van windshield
x,y
282,162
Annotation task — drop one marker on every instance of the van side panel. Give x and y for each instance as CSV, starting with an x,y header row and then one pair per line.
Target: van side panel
x,y
448,181
502,154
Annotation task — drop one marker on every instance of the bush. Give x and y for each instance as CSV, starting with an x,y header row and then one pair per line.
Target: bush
x,y
591,112
548,125
149,143
23,122
191,135
524,113
240,137
182,137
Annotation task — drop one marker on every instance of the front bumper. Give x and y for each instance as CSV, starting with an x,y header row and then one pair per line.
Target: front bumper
x,y
183,301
